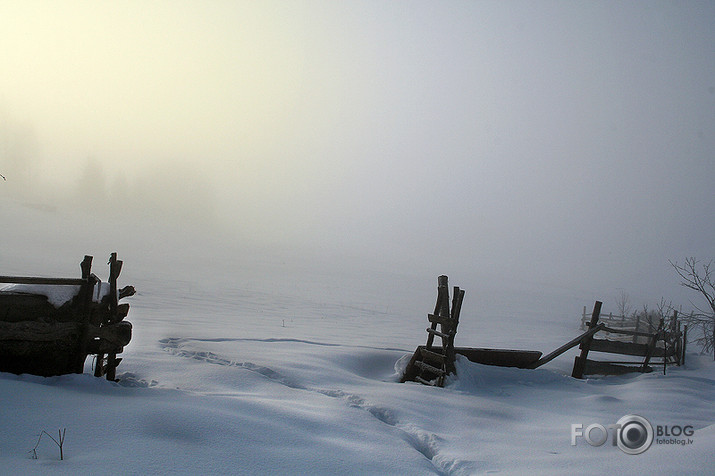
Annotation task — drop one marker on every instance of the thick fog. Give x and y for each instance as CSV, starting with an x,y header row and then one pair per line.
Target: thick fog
x,y
565,145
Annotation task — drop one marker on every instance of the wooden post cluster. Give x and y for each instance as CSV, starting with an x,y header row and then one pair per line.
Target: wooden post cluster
x,y
107,364
431,364
672,350
38,338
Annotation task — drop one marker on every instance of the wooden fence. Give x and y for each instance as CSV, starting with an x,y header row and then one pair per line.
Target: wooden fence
x,y
667,343
40,338
431,364
643,343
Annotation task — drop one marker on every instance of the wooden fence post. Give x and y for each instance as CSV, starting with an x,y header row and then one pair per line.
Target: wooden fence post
x,y
85,297
580,361
115,268
442,300
651,346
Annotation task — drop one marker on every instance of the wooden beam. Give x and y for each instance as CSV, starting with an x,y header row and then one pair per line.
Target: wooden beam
x,y
438,333
429,368
499,357
46,281
618,347
456,311
606,368
33,331
434,356
569,345
626,332
444,320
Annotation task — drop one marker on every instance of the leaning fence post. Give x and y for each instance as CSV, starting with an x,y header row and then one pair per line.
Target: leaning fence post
x,y
580,362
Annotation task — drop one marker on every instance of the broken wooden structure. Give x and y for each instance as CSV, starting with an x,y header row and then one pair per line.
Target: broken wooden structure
x,y
431,364
49,338
667,343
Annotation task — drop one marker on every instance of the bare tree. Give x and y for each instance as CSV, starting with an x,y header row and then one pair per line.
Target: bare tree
x,y
623,304
700,279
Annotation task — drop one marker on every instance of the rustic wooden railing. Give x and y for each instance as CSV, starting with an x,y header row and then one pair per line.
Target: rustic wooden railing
x,y
672,349
431,364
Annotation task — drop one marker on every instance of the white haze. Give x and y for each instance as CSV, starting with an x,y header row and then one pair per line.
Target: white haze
x,y
564,148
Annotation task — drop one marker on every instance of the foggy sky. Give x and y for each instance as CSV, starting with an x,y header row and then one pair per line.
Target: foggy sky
x,y
558,142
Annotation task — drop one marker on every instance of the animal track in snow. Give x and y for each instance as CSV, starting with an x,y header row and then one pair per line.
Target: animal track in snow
x,y
173,346
424,442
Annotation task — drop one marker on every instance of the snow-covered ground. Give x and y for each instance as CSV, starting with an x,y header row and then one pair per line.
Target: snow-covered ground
x,y
261,365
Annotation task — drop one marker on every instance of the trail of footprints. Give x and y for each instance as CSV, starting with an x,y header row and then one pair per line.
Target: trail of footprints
x,y
422,441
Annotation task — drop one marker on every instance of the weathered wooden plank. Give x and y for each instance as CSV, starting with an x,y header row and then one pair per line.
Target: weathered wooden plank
x,y
443,320
33,331
593,367
429,368
569,345
438,333
618,347
47,281
456,310
580,361
499,357
17,307
428,354
627,332
629,348
117,335
457,297
624,362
